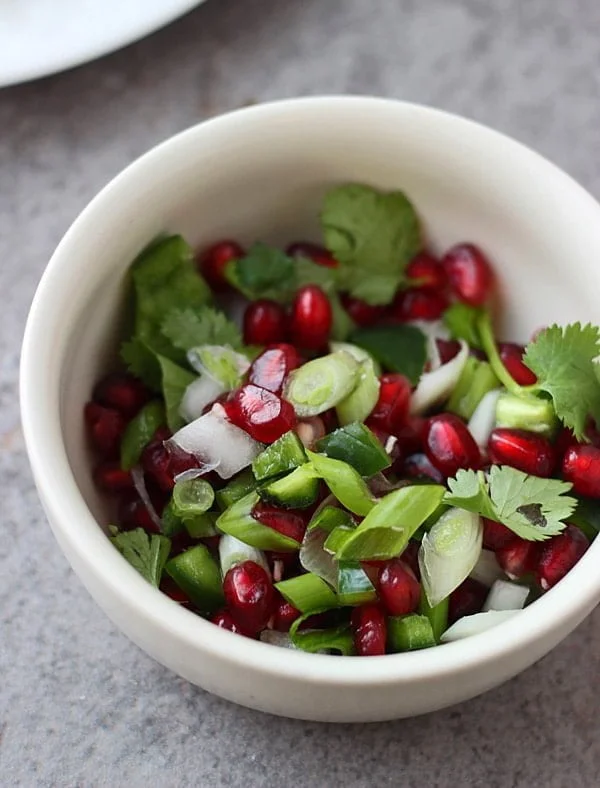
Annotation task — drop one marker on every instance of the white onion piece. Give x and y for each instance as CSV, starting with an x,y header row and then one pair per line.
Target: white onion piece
x,y
433,329
137,476
232,551
315,559
215,441
487,570
506,596
467,626
194,473
436,386
200,393
448,553
274,638
483,420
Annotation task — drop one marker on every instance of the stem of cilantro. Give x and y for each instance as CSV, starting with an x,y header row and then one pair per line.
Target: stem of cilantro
x,y
488,343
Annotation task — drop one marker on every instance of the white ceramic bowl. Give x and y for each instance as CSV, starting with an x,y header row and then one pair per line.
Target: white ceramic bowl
x,y
259,173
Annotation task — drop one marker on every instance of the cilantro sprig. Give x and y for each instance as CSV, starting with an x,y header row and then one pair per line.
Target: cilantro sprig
x,y
148,554
189,328
533,508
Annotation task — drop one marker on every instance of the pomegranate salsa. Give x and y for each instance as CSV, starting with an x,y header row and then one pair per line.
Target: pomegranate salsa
x,y
357,466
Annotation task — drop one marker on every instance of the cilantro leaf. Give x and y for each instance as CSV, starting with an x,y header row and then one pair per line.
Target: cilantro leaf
x,y
189,328
142,362
461,321
139,432
398,348
148,554
374,236
264,272
175,380
563,358
534,508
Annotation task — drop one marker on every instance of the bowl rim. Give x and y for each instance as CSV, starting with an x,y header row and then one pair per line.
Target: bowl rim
x,y
73,522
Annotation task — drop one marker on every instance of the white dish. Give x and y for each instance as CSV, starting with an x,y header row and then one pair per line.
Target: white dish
x,y
41,37
260,173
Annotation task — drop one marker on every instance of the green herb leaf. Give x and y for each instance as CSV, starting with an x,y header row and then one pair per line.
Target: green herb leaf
x,y
175,380
141,362
139,433
147,554
190,328
534,508
563,360
373,236
398,348
461,321
264,272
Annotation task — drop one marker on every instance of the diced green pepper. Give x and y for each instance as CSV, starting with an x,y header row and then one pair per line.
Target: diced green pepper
x,y
242,484
285,454
408,633
354,586
198,575
357,445
297,490
344,482
237,521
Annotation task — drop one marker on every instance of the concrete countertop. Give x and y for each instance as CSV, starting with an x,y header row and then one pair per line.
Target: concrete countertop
x,y
79,704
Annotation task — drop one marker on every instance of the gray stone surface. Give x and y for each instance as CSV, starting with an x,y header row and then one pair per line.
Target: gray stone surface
x,y
79,704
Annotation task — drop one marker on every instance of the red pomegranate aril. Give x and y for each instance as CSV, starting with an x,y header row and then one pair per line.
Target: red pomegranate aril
x,y
249,596
466,600
132,513
261,413
156,462
224,619
362,314
288,523
112,478
581,467
213,262
391,410
318,254
560,554
418,466
169,587
311,318
271,368
105,427
469,273
399,590
496,535
285,615
512,358
122,392
410,556
265,323
428,270
526,451
370,630
418,303
518,557
448,349
449,445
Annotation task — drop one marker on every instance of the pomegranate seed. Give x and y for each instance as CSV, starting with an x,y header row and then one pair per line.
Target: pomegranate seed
x,y
288,523
214,260
285,615
418,303
398,588
264,323
224,619
391,411
362,314
469,273
313,252
310,430
560,554
428,270
523,450
132,513
156,462
123,393
518,557
249,596
496,535
311,317
370,630
261,413
270,369
112,478
449,444
512,358
466,600
410,557
564,441
447,348
105,427
418,466
172,590
581,467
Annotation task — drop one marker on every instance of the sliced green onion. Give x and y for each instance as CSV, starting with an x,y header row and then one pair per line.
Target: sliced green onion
x,y
363,397
359,353
221,363
476,380
320,384
448,553
197,574
297,490
467,626
307,593
337,538
328,518
355,444
409,633
140,432
237,488
285,454
526,412
314,558
344,482
233,552
192,497
386,530
438,615
353,584
237,521
202,526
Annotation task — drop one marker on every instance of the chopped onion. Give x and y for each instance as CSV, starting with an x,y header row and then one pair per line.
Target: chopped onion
x,y
314,558
232,551
448,553
436,386
433,329
137,476
194,473
473,625
487,570
274,638
200,393
506,596
483,420
215,441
